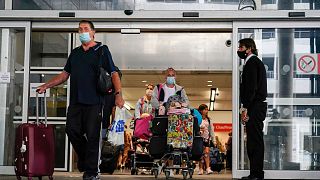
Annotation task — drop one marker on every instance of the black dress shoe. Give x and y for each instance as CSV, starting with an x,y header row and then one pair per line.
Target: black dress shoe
x,y
85,177
247,177
250,177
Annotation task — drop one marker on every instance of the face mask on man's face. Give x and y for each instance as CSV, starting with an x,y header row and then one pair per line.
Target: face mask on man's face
x,y
242,54
171,80
84,37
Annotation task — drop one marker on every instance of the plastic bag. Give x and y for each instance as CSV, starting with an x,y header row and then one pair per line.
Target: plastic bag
x,y
116,132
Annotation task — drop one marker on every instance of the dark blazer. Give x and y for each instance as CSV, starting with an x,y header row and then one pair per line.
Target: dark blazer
x,y
253,87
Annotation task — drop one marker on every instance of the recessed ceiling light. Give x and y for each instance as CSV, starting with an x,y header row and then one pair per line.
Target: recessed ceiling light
x,y
144,81
209,85
209,81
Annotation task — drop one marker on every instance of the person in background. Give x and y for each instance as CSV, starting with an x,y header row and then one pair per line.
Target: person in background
x,y
127,146
219,145
83,123
253,94
163,91
229,151
206,132
143,106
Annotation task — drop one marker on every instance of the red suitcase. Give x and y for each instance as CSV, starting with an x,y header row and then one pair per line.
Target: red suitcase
x,y
35,148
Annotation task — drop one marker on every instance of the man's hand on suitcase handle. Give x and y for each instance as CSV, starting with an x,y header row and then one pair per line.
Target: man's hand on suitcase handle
x,y
41,89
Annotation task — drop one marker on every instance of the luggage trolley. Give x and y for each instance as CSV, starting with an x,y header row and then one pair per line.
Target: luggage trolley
x,y
179,143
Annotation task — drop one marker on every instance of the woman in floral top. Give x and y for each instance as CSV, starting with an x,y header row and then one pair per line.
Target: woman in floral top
x,y
206,132
143,106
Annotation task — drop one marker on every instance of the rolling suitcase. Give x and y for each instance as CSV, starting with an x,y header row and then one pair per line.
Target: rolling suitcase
x,y
35,148
197,148
158,146
109,157
159,126
180,131
216,160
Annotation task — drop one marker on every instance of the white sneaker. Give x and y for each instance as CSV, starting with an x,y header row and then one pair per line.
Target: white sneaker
x,y
209,171
200,172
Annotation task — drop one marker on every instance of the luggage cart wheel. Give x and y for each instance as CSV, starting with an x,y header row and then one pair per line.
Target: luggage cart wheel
x,y
185,174
18,177
40,177
50,177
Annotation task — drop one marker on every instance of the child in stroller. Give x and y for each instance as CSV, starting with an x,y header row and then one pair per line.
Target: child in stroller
x,y
144,112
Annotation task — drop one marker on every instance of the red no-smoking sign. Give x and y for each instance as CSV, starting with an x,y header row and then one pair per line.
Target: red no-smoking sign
x,y
307,64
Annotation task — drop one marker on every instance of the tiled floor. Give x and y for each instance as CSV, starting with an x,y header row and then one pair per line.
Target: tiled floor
x,y
224,175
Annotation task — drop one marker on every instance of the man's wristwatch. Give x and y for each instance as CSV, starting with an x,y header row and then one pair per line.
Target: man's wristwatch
x,y
243,110
117,93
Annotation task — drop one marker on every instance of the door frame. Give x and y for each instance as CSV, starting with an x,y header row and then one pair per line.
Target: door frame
x,y
26,25
269,174
117,26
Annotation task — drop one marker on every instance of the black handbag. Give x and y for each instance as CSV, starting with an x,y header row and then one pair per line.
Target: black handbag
x,y
104,84
108,149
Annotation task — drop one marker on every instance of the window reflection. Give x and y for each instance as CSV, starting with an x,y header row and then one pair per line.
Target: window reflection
x,y
56,97
49,49
292,126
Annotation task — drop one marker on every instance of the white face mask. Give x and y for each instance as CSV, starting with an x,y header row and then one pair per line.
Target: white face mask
x,y
84,37
171,80
149,92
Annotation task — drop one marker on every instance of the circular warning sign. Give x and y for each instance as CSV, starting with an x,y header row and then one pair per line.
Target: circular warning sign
x,y
306,63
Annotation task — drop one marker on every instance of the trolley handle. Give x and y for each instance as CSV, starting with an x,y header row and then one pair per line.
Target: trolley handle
x,y
45,108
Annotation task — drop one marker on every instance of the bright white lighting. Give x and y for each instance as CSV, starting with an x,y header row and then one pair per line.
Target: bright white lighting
x,y
127,106
211,106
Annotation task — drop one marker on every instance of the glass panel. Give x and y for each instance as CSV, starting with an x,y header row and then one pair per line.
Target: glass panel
x,y
158,50
56,97
162,5
0,43
290,5
73,5
2,4
49,49
11,93
60,145
292,126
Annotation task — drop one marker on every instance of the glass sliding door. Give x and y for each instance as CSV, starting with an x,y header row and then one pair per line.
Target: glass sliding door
x,y
291,55
49,54
14,46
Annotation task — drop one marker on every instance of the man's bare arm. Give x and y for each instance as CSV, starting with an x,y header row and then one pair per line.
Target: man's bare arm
x,y
59,79
117,86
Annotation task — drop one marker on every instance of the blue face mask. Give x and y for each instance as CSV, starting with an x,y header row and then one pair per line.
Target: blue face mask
x,y
171,80
84,37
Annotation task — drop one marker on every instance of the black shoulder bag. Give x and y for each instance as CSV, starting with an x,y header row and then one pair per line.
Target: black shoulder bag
x,y
104,84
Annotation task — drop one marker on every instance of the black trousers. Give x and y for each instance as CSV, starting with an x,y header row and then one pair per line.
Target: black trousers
x,y
83,129
255,143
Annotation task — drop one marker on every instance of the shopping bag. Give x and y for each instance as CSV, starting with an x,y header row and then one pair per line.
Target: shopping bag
x,y
116,132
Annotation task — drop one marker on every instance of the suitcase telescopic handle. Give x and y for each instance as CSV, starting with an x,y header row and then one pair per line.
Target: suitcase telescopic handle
x,y
45,108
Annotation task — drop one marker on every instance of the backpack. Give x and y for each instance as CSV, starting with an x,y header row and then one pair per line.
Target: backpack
x,y
176,98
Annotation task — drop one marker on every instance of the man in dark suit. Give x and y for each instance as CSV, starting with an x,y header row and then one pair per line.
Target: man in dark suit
x,y
253,93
